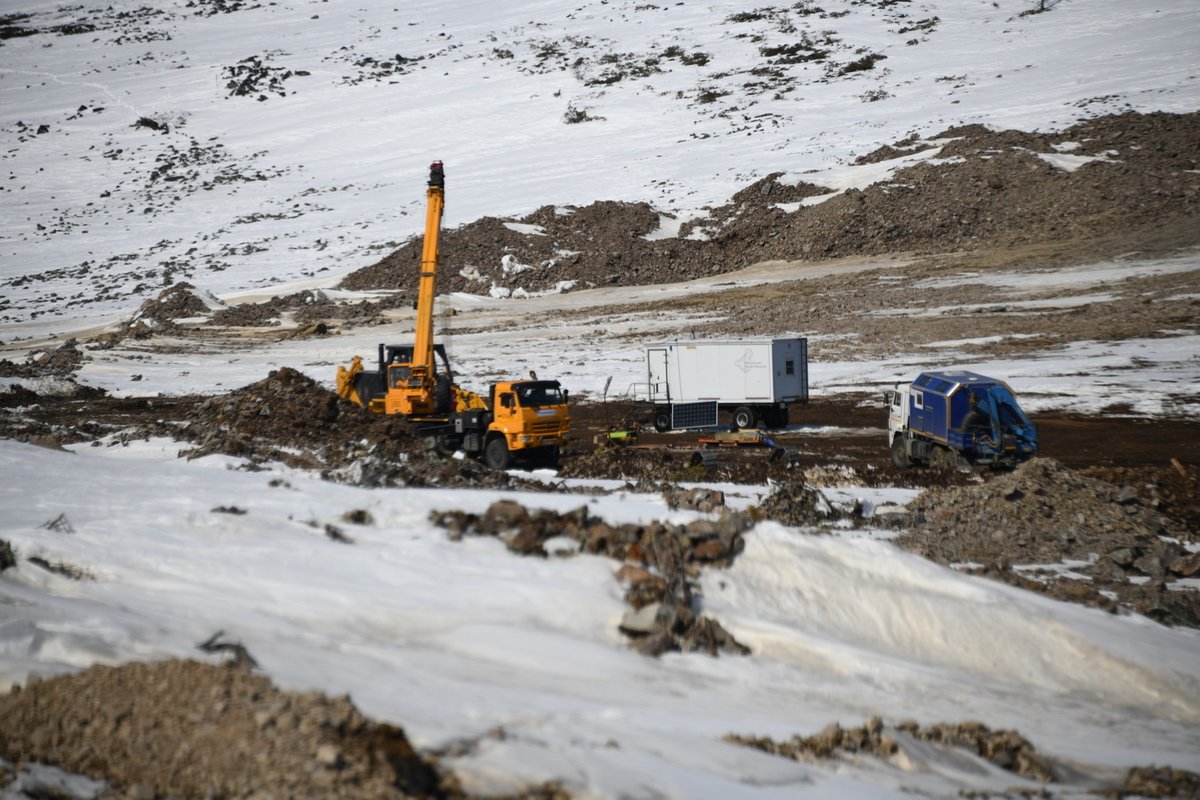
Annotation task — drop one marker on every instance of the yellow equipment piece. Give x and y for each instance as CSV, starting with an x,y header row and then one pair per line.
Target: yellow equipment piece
x,y
529,418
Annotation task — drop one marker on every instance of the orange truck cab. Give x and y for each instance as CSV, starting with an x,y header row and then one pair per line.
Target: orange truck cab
x,y
528,420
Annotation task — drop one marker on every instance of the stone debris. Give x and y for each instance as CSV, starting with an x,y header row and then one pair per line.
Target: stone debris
x,y
1044,514
1004,748
661,563
1155,781
60,362
798,504
698,499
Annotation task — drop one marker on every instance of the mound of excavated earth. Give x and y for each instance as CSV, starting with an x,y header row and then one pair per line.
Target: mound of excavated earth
x,y
1123,173
290,418
184,729
1044,514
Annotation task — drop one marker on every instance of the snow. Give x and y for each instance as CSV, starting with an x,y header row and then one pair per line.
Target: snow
x,y
452,639
841,628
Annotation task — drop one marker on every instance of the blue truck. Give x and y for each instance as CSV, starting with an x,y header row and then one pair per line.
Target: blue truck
x,y
960,418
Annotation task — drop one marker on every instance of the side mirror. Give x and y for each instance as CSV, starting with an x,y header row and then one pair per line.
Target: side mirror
x,y
566,396
506,400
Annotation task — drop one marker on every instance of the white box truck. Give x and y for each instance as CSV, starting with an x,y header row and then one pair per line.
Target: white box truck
x,y
754,379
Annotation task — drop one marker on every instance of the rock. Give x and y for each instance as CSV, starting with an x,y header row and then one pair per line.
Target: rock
x,y
642,620
1126,495
329,756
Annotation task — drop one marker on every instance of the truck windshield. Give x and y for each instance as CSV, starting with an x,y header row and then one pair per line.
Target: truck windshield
x,y
539,394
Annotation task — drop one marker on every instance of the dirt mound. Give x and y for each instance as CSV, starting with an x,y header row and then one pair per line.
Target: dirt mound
x,y
595,245
305,307
1044,514
287,409
986,188
1003,188
190,730
159,315
290,418
59,363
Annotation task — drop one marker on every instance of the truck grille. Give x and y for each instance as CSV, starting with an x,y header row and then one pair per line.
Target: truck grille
x,y
549,426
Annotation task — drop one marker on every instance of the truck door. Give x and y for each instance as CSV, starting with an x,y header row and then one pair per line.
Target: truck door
x,y
656,362
916,411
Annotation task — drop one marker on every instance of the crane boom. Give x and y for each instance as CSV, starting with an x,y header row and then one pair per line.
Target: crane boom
x,y
435,197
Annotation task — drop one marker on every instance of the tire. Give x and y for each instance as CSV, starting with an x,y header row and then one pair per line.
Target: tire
x,y
496,454
744,417
899,454
443,395
548,457
777,418
662,420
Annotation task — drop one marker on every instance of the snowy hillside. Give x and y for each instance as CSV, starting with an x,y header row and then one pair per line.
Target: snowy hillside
x,y
169,478
238,144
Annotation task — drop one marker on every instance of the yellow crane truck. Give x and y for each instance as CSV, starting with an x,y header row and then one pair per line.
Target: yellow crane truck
x,y
521,420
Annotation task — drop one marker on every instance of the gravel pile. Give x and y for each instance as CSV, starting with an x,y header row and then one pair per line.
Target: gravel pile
x,y
185,729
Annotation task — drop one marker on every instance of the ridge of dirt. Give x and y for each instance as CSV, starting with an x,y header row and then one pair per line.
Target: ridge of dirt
x,y
1006,749
986,189
290,418
660,563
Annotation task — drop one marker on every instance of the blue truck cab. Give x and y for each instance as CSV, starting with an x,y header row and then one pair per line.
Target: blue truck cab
x,y
932,417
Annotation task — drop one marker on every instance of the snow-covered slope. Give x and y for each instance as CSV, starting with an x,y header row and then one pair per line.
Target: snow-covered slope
x,y
452,639
239,144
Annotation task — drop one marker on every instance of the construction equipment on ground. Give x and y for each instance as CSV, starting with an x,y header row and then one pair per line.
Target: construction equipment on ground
x,y
958,417
523,421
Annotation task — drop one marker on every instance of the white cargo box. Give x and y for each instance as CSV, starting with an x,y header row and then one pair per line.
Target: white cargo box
x,y
757,375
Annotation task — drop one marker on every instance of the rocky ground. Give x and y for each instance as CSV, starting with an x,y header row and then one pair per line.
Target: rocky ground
x,y
1115,497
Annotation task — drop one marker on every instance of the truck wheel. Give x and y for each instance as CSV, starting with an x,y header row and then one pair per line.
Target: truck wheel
x,y
744,417
899,454
776,417
662,421
443,395
496,454
548,457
